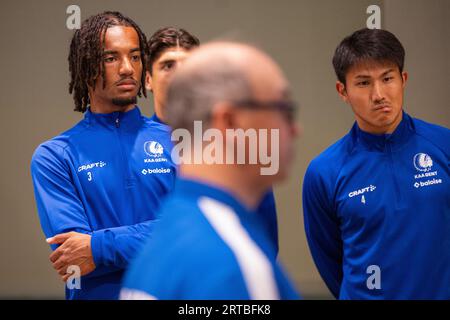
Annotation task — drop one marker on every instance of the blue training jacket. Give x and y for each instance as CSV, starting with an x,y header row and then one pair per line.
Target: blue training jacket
x,y
377,213
206,245
106,177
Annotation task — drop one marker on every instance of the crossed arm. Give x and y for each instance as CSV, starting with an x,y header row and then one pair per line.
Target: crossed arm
x,y
65,223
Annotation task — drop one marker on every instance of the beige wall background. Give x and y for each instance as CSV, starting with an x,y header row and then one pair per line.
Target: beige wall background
x,y
300,35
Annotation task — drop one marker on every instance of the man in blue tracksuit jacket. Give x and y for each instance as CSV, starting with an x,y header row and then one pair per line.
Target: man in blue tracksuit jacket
x,y
377,202
98,185
210,242
104,177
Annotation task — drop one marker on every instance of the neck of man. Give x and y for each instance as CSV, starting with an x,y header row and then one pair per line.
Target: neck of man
x,y
98,105
159,111
228,177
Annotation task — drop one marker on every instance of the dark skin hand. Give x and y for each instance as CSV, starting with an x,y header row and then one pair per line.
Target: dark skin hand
x,y
74,249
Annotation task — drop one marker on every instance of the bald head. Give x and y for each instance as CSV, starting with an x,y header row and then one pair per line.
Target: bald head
x,y
254,64
220,72
240,93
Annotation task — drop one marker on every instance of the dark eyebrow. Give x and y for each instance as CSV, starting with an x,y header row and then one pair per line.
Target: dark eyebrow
x,y
363,76
386,72
166,61
106,52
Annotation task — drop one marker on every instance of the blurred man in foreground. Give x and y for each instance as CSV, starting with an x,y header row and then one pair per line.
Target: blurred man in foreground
x,y
210,243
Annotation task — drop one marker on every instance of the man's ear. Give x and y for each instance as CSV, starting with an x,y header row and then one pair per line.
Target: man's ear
x,y
405,78
340,88
148,81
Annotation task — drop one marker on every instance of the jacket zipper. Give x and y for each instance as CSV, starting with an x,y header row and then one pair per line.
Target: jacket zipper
x,y
397,192
127,174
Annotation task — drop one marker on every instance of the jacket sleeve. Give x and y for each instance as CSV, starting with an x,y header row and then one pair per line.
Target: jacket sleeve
x,y
59,207
268,211
61,210
322,228
118,246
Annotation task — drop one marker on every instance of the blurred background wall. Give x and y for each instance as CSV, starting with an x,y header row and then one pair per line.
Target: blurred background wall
x,y
300,35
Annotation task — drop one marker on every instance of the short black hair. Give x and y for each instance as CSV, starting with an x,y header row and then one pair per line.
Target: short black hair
x,y
86,53
169,37
365,45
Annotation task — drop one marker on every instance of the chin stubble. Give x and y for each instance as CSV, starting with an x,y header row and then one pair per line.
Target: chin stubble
x,y
124,102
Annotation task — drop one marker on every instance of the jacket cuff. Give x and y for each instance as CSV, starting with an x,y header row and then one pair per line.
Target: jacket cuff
x,y
96,247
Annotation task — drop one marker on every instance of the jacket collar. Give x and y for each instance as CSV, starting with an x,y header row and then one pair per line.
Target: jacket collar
x,y
128,120
156,119
197,189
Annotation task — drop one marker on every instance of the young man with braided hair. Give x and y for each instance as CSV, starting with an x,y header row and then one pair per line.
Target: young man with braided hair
x,y
97,185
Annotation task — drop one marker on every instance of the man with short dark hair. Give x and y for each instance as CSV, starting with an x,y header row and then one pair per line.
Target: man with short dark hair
x,y
168,49
377,202
98,185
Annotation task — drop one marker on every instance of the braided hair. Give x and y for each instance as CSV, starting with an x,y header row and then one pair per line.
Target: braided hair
x,y
86,53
